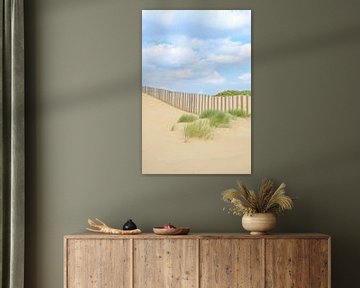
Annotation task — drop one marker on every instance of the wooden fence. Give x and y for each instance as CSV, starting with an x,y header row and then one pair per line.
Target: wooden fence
x,y
197,103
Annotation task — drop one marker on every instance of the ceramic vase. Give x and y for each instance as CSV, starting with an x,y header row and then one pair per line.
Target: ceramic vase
x,y
259,223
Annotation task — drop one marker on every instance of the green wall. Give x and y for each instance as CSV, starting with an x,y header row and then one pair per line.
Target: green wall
x,y
84,131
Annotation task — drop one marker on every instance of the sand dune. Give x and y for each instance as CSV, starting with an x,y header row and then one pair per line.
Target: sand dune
x,y
165,151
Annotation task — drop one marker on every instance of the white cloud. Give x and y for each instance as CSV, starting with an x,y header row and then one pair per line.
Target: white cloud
x,y
191,60
229,19
186,41
183,73
169,55
216,50
246,77
229,51
185,50
213,77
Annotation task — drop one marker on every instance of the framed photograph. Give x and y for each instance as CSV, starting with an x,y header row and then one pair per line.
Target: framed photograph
x,y
196,92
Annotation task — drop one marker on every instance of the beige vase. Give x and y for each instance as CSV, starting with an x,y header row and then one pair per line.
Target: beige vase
x,y
259,223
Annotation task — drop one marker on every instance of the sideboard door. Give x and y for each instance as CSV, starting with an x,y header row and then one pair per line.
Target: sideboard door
x,y
297,263
230,263
98,263
320,263
165,263
287,263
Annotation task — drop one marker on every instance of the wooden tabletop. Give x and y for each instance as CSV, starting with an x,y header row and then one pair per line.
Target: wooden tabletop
x,y
89,235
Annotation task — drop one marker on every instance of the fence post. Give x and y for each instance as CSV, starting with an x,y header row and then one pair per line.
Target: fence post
x,y
196,103
186,102
181,100
189,96
191,102
202,103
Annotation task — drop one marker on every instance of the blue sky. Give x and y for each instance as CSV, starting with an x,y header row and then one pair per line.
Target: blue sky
x,y
199,51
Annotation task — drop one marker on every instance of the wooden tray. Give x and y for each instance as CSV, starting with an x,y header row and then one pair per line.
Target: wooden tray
x,y
171,231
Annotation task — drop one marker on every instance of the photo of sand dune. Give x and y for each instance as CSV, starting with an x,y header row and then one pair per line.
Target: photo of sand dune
x,y
165,151
196,94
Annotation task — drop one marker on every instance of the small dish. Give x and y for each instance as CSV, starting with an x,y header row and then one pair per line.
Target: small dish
x,y
171,231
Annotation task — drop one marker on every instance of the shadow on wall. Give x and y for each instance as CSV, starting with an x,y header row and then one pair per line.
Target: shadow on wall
x,y
311,44
101,93
67,4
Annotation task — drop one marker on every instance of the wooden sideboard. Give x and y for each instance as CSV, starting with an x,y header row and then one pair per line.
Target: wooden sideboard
x,y
197,260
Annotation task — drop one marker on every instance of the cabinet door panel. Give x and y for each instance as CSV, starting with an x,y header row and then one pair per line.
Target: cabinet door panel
x,y
319,263
98,264
231,263
287,263
165,263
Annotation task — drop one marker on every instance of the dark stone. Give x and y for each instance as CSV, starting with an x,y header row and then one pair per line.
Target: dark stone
x,y
129,225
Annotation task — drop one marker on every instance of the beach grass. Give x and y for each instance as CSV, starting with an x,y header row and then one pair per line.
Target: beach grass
x,y
208,114
239,113
186,118
199,129
234,93
220,119
216,118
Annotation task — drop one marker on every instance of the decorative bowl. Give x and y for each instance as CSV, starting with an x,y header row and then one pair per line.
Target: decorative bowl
x,y
171,231
259,223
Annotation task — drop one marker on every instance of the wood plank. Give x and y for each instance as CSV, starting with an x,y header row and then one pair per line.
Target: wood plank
x,y
319,263
164,263
65,262
89,235
287,263
231,263
98,263
198,263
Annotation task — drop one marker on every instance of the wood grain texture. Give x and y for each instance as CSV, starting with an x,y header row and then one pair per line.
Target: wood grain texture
x,y
66,262
166,263
197,260
287,263
88,235
231,263
319,263
98,264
